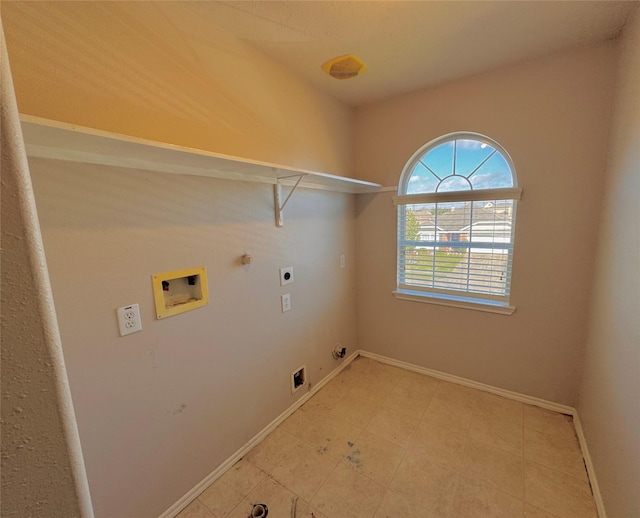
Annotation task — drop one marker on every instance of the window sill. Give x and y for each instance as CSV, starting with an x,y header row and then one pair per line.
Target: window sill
x,y
455,302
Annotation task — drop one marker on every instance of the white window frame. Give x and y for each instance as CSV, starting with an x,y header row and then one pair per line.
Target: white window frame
x,y
454,298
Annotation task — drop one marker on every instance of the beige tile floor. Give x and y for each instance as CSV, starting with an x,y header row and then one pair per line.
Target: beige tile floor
x,y
379,441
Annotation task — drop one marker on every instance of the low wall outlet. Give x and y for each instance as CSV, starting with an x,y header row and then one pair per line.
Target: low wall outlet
x,y
286,275
129,319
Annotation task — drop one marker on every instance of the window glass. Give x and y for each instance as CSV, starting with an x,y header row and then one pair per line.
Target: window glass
x,y
453,161
456,242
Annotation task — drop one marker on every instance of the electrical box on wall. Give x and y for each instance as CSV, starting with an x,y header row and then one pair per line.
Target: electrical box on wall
x,y
179,291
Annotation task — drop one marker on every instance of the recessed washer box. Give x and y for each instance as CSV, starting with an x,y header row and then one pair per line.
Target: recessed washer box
x,y
179,291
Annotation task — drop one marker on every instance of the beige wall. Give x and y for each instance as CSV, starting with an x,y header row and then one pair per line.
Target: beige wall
x,y
166,72
552,115
158,410
608,401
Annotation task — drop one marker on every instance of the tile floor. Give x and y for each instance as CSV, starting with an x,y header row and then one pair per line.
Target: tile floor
x,y
379,441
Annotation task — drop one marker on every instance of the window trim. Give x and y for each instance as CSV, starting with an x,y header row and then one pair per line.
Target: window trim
x,y
456,135
485,305
468,300
508,193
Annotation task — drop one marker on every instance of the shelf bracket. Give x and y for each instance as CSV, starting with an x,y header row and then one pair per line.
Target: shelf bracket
x,y
277,195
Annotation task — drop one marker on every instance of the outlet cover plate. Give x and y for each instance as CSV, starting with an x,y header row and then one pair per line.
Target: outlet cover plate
x,y
129,319
286,275
286,302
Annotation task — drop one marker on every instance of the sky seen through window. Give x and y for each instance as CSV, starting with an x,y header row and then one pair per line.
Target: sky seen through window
x,y
460,165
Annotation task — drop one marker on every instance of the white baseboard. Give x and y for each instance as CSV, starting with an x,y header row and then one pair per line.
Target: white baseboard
x,y
595,488
550,405
531,400
191,495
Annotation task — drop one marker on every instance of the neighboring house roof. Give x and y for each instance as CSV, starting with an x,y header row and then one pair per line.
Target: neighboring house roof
x,y
461,218
424,217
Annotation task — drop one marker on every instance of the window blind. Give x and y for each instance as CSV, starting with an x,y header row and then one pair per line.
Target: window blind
x,y
465,247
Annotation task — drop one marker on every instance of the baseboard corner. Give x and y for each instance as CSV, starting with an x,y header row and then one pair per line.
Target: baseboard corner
x,y
593,479
193,493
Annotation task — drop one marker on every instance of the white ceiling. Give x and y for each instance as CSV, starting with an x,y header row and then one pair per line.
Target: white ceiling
x,y
411,45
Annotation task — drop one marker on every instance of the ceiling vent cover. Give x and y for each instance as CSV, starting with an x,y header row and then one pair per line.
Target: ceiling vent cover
x,y
344,67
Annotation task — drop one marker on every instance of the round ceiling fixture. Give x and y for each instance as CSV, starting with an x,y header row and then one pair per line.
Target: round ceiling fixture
x,y
344,67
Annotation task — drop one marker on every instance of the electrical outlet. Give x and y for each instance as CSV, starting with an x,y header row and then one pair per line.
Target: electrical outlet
x,y
286,302
286,275
129,319
342,262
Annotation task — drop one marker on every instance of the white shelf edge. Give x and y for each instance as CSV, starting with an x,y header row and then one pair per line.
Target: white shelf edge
x,y
56,140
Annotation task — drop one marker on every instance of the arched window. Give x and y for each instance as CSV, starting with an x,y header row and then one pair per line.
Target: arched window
x,y
456,221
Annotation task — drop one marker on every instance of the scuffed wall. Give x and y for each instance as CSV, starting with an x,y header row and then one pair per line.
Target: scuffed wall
x,y
159,410
169,404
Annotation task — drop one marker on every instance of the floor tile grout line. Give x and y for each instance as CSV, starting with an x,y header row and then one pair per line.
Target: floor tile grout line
x,y
361,473
574,477
244,496
540,509
348,465
469,440
284,454
490,482
464,453
394,382
386,488
338,460
209,511
573,440
524,458
322,485
494,445
406,448
296,495
228,487
562,473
